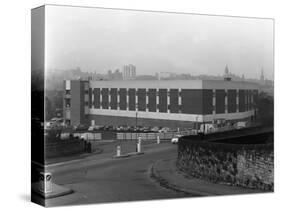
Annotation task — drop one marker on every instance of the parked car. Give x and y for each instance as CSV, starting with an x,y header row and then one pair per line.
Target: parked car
x,y
175,139
155,129
120,128
81,127
241,124
146,129
164,130
91,128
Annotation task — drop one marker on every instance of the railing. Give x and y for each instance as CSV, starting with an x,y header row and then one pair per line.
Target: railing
x,y
96,136
153,136
85,135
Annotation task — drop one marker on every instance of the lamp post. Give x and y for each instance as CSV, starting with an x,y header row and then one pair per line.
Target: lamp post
x,y
136,116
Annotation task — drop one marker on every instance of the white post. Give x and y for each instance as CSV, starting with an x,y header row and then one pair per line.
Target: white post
x,y
158,139
45,182
139,145
118,151
157,101
168,101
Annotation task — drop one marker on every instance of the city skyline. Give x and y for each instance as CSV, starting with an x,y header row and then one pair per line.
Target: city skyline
x,y
185,43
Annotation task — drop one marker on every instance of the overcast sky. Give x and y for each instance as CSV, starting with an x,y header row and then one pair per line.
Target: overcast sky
x,y
103,39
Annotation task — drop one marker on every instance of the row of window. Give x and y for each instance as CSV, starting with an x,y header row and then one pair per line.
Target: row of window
x,y
168,92
194,101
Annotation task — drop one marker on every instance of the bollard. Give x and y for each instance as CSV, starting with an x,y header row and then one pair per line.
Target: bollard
x,y
158,139
45,182
118,151
139,145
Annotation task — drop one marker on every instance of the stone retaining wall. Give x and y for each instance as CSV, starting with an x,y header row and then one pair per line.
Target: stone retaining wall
x,y
246,165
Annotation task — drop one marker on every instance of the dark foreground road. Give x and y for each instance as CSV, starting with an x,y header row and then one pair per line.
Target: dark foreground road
x,y
111,180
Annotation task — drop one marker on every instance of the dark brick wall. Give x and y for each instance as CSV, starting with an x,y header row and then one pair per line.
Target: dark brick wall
x,y
90,97
113,101
242,101
174,101
255,98
105,100
207,101
83,118
249,101
192,101
231,101
220,101
123,99
76,102
151,100
97,98
246,99
132,99
141,99
163,101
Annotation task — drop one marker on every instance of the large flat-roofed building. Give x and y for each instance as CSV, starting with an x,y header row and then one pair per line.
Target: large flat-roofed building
x,y
170,103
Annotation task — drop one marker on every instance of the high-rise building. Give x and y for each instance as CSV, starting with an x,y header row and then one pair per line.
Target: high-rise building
x,y
109,75
129,72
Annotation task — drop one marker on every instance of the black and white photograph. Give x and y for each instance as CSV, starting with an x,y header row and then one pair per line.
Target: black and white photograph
x,y
133,105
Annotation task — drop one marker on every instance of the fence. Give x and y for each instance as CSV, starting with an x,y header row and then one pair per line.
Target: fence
x,y
96,136
152,136
84,135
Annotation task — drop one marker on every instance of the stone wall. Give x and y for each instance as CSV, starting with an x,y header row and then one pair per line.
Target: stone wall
x,y
247,165
255,169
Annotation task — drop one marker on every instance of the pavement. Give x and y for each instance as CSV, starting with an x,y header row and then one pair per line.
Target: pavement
x,y
56,190
167,175
42,198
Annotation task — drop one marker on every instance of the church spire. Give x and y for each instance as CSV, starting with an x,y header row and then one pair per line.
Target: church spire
x,y
227,76
226,70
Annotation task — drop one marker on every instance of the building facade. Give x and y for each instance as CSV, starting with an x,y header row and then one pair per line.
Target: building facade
x,y
173,103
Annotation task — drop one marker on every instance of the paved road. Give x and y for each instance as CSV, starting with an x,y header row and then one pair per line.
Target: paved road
x,y
104,179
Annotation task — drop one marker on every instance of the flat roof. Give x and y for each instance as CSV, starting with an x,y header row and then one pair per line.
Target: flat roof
x,y
175,84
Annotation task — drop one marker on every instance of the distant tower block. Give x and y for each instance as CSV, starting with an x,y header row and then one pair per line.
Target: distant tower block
x,y
129,72
227,76
262,79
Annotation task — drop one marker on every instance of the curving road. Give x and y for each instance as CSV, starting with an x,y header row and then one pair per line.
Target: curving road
x,y
101,178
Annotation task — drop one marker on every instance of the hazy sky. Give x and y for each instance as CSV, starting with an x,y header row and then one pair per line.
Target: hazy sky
x,y
103,39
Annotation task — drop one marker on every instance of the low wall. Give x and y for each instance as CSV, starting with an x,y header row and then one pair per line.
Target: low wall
x,y
64,148
247,165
